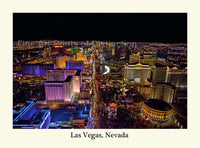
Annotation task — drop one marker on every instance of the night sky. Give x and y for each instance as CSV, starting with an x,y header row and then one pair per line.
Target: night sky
x,y
139,27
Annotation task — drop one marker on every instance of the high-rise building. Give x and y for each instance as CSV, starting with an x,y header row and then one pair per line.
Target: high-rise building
x,y
62,85
59,90
138,72
163,91
80,57
159,73
78,60
144,90
59,75
176,77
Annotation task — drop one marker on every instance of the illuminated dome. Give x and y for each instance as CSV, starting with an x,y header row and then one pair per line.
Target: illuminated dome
x,y
157,110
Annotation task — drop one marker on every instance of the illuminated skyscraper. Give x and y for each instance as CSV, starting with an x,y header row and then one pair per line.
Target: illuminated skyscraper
x,y
59,90
59,75
62,85
137,73
144,90
78,61
163,91
176,77
159,73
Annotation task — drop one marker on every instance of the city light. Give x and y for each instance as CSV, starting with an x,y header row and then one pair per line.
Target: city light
x,y
107,70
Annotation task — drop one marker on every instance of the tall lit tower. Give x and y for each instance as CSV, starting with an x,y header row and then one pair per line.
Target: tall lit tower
x,y
62,85
138,72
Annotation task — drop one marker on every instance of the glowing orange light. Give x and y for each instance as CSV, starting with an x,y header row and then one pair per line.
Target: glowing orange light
x,y
112,105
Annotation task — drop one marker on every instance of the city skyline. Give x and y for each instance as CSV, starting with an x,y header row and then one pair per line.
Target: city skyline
x,y
89,85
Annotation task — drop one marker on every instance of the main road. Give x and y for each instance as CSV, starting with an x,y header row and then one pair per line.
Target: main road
x,y
96,117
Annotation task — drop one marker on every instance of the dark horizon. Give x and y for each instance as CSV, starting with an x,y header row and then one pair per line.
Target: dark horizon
x,y
137,27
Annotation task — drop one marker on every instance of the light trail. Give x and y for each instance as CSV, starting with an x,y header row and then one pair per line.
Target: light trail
x,y
107,70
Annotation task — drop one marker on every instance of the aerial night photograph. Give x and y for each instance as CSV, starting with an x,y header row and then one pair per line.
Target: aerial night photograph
x,y
99,71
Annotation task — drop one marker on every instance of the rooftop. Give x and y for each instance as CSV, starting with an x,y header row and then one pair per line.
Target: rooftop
x,y
68,79
158,104
78,73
